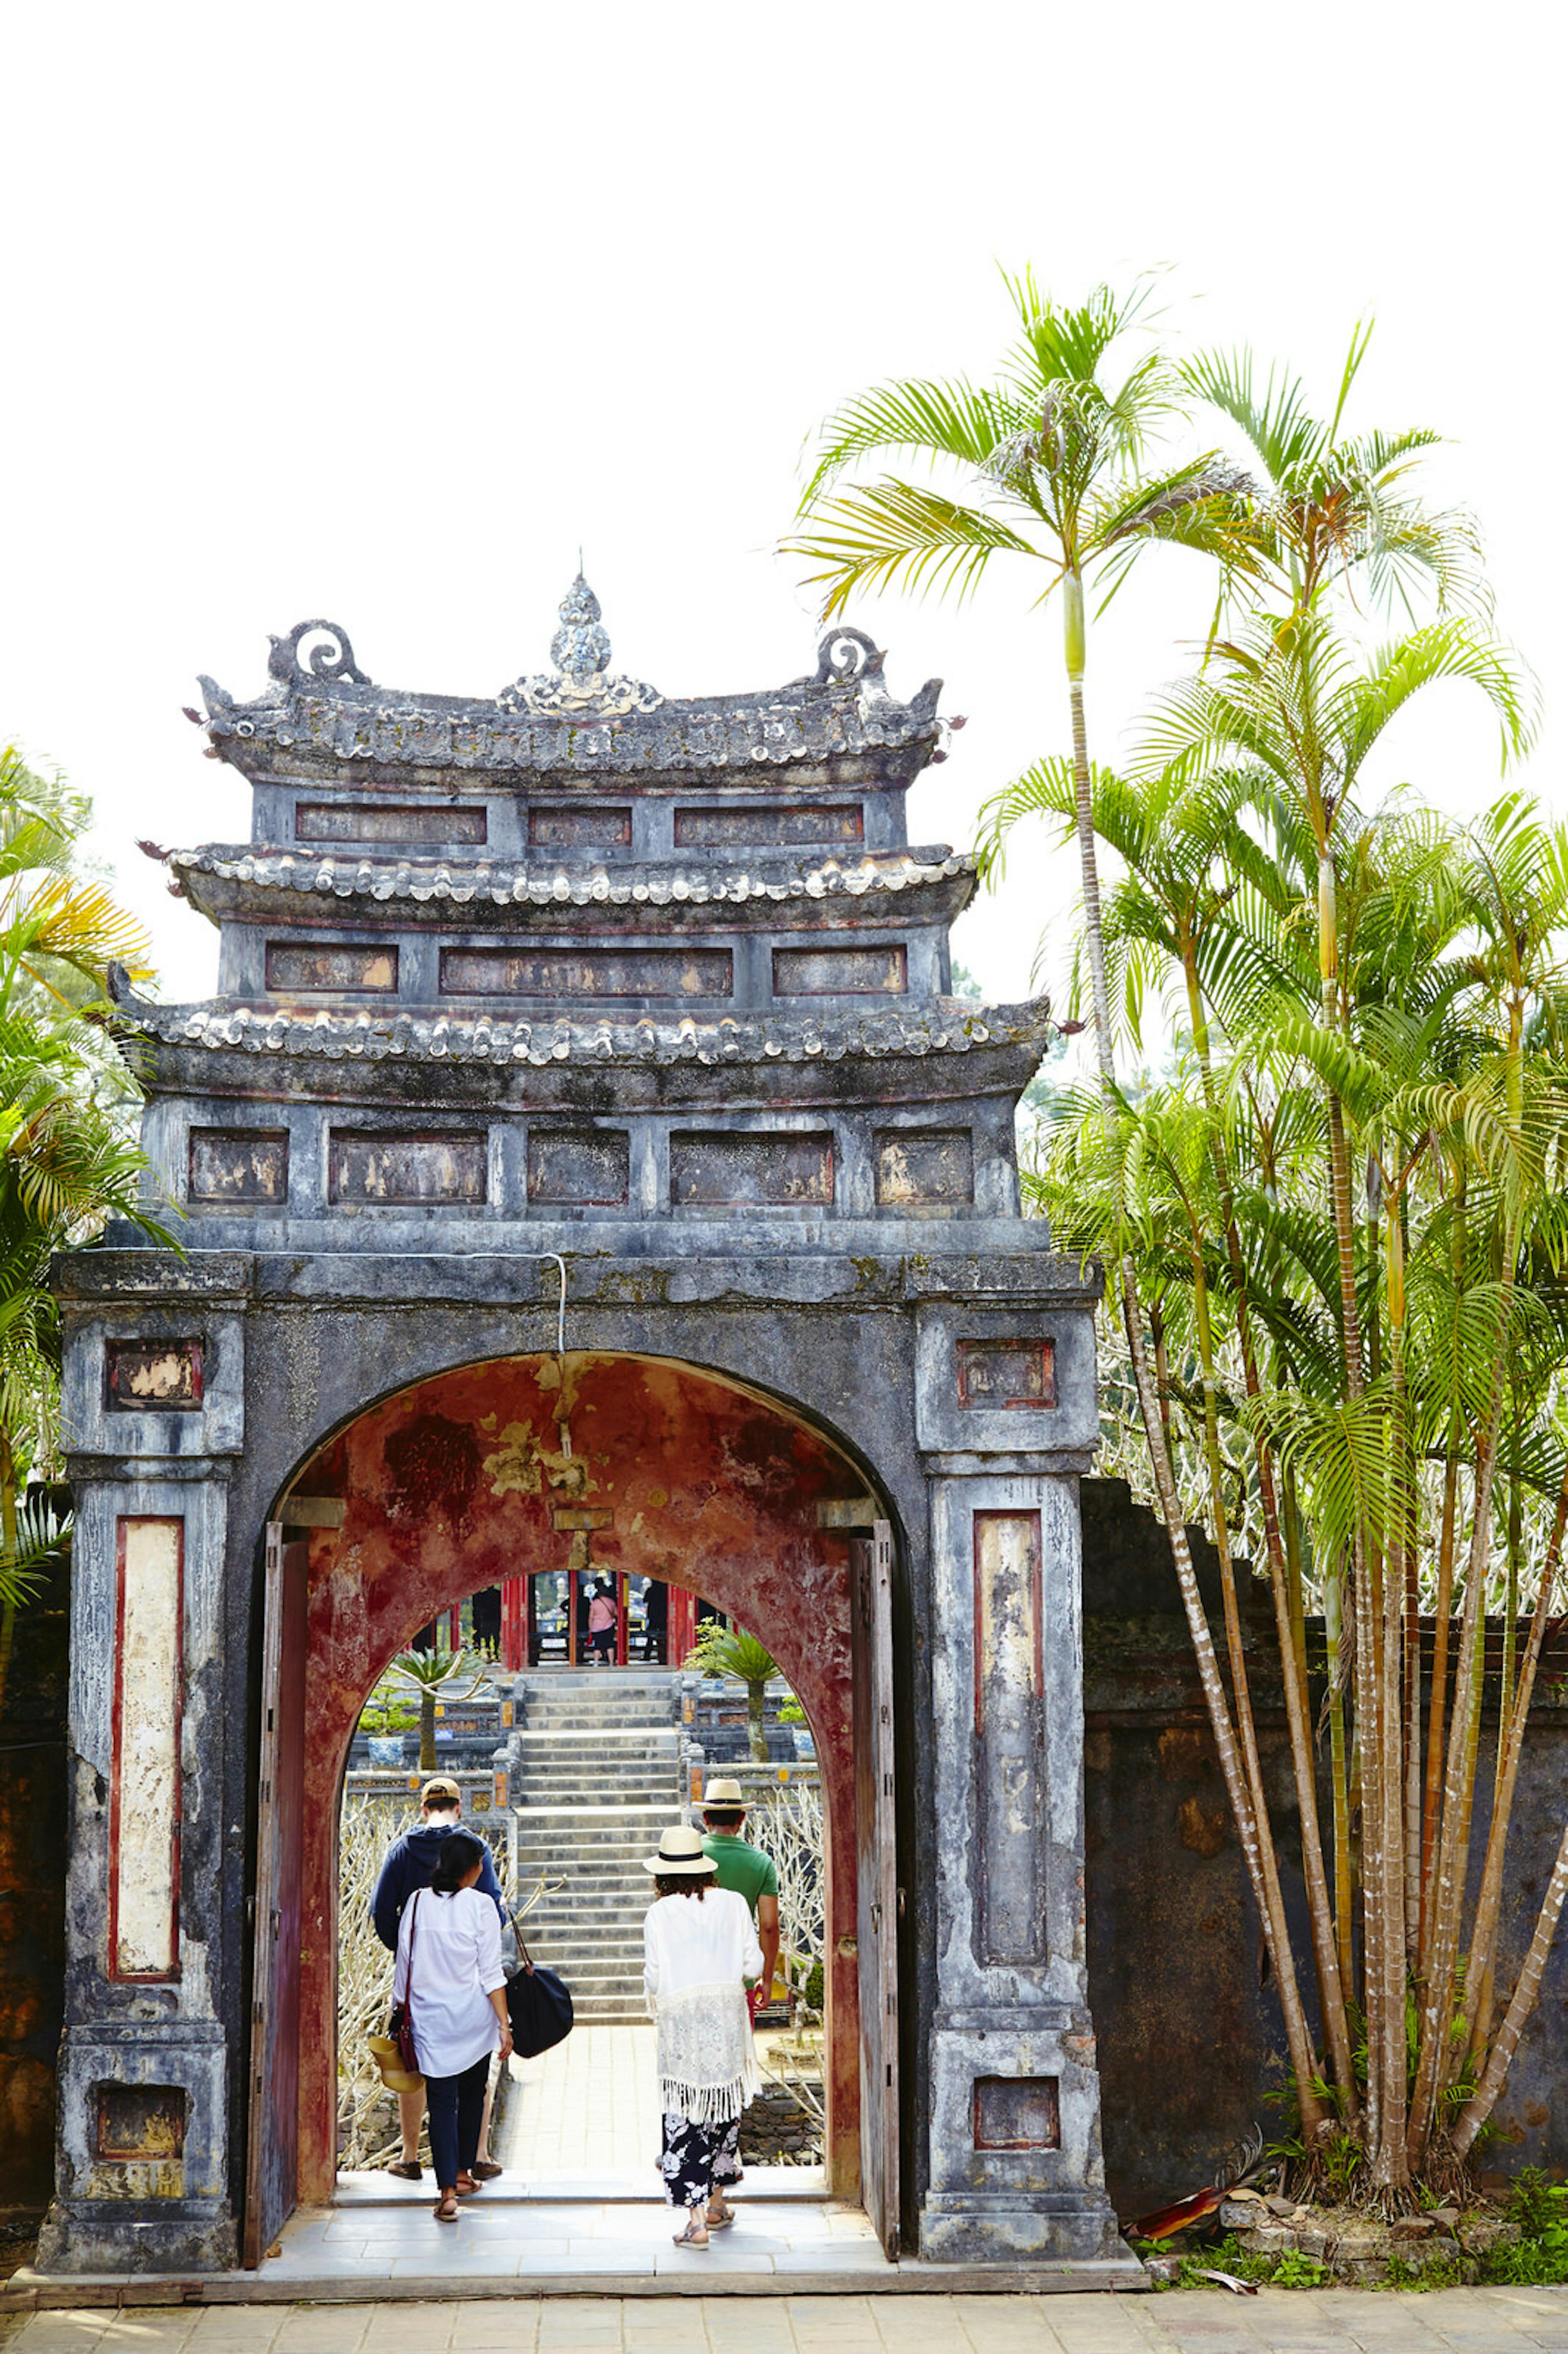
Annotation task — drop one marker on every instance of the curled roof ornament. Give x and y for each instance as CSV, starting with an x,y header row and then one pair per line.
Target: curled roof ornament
x,y
333,662
582,683
845,653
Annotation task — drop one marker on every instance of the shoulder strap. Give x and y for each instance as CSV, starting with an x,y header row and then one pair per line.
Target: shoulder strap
x,y
413,1932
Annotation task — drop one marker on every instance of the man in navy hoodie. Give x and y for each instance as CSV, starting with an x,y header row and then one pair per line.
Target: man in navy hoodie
x,y
408,1865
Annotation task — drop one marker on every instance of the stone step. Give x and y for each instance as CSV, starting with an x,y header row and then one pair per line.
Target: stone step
x,y
663,1738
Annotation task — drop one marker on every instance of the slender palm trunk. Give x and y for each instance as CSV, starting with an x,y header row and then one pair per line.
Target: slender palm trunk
x,y
1297,2034
8,1537
1526,1994
1481,1967
1286,1588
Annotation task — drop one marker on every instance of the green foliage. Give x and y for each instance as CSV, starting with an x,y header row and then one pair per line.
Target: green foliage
x,y
1290,2270
1437,2272
1540,2207
68,1160
387,1711
730,1651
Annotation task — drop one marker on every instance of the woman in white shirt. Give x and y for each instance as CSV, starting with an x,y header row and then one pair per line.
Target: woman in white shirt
x,y
699,1947
451,1981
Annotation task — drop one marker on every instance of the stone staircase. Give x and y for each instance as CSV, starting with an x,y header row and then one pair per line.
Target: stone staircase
x,y
598,1777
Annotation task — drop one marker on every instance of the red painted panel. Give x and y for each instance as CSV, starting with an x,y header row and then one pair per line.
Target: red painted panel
x,y
117,1737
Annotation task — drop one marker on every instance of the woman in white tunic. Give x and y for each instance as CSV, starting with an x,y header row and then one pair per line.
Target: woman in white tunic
x,y
451,1981
699,1948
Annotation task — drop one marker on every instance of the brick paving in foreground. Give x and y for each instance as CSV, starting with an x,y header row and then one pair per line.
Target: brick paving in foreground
x,y
1276,2321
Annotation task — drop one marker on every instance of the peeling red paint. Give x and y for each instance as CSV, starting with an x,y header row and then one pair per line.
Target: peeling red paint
x,y
452,1485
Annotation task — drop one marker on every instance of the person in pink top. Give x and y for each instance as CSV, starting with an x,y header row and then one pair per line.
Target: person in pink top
x,y
601,1627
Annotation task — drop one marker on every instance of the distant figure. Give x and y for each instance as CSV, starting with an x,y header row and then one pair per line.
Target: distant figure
x,y
602,1627
745,1869
409,1865
698,1949
656,1615
451,1981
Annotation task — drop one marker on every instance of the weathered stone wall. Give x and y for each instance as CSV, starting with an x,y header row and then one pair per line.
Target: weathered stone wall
x,y
1191,2047
32,1896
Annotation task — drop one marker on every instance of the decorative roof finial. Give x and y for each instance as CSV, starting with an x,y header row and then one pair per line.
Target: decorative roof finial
x,y
580,652
580,647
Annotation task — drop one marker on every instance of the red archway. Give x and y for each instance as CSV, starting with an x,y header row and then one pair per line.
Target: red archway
x,y
467,1479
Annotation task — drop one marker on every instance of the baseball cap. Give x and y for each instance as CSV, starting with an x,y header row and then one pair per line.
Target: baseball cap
x,y
443,1790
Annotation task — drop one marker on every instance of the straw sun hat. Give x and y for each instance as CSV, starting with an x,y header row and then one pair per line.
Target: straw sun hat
x,y
680,1854
723,1794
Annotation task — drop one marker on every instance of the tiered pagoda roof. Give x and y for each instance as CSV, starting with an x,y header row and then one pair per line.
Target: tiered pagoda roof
x,y
570,913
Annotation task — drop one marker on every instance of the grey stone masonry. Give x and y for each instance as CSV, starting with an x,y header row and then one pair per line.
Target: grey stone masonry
x,y
659,989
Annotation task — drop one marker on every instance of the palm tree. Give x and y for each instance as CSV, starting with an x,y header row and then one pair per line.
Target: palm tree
x,y
1055,457
430,1673
722,1650
66,1161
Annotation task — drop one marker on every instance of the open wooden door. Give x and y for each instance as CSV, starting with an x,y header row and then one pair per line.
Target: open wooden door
x,y
875,1880
271,2176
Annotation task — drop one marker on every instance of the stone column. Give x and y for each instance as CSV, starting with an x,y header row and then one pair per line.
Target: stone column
x,y
153,1411
1006,1417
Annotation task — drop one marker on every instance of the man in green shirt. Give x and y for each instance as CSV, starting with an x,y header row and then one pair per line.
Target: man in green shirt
x,y
751,1874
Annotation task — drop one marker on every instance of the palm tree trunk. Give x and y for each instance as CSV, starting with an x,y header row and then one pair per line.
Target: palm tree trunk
x,y
1526,1994
1481,1967
1453,1848
1286,1585
426,1731
1297,2037
8,1536
756,1721
1438,1704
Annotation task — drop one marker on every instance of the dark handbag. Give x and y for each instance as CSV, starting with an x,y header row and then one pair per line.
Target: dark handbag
x,y
538,2006
400,2026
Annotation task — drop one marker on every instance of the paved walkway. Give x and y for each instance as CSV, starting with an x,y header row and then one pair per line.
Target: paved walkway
x,y
1276,2321
592,2103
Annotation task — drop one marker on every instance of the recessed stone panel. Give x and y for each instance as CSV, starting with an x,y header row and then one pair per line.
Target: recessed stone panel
x,y
413,1167
588,1167
842,972
918,1169
1011,1374
144,1788
153,1376
1010,1738
238,1165
768,828
579,829
298,966
1017,2113
419,826
726,1169
587,973
139,2121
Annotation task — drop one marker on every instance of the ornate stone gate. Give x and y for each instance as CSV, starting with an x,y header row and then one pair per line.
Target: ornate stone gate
x,y
580,1002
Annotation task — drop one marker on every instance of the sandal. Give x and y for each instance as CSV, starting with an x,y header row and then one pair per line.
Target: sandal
x,y
406,2169
446,2208
693,2236
484,2169
722,2220
467,2186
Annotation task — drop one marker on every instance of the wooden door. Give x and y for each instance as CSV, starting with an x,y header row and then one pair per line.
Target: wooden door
x,y
273,2170
877,1891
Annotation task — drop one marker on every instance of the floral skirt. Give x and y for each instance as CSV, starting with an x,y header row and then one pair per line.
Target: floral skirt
x,y
697,2158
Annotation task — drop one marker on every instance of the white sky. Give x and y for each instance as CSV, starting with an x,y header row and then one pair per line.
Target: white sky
x,y
374,313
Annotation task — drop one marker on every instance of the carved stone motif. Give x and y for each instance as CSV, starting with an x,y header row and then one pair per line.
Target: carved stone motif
x,y
582,683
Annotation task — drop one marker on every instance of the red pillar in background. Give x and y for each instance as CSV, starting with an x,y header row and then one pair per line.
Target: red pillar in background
x,y
682,1625
454,1627
513,1623
622,1620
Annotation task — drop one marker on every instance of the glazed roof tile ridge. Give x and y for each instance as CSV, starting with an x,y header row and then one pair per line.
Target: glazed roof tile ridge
x,y
332,706
557,882
930,1025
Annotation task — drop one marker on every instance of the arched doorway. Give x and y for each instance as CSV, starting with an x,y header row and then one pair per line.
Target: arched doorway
x,y
491,1470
